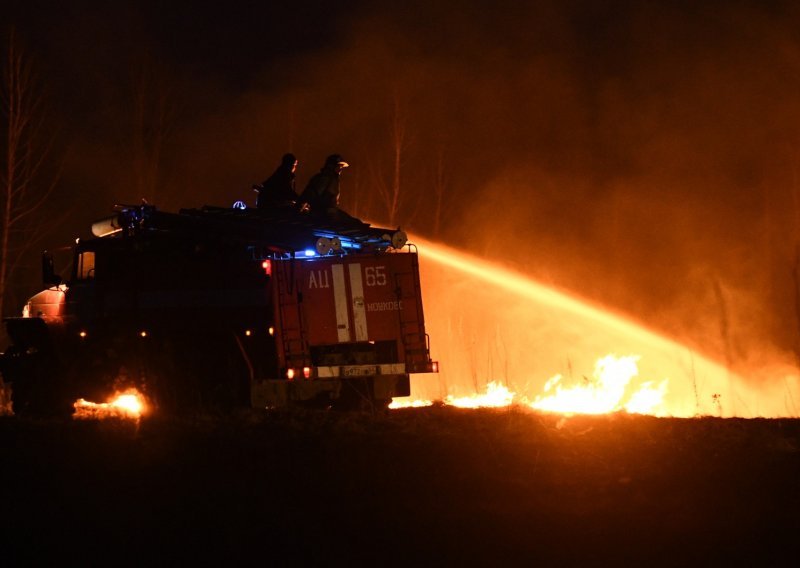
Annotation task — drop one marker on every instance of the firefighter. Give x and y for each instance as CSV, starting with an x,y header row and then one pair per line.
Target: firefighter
x,y
321,195
322,192
278,190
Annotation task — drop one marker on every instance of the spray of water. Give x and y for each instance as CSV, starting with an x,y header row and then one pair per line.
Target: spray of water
x,y
489,324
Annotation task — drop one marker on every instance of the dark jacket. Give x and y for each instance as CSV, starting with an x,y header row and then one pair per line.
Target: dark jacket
x,y
322,191
278,189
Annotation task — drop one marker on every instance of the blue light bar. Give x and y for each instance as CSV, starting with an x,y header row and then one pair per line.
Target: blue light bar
x,y
310,252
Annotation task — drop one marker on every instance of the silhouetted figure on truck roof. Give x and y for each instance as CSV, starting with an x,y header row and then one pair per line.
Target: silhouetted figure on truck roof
x,y
322,191
321,195
278,190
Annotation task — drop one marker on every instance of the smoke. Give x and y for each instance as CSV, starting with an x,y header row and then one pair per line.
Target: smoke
x,y
490,324
640,155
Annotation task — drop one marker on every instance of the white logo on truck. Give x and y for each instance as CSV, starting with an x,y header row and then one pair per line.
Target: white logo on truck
x,y
389,306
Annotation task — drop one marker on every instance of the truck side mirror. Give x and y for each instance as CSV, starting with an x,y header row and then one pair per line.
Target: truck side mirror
x,y
49,276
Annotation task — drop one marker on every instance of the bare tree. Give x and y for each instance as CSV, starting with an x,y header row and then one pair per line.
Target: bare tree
x,y
291,124
26,182
727,340
152,126
440,182
391,192
795,239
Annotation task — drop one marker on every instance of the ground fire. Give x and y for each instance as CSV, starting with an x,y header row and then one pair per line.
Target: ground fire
x,y
608,390
127,405
555,352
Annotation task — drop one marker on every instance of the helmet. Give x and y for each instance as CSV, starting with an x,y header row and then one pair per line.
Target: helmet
x,y
335,160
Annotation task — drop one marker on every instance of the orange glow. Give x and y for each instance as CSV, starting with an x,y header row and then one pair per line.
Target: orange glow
x,y
485,320
408,402
607,391
496,396
6,406
129,404
611,389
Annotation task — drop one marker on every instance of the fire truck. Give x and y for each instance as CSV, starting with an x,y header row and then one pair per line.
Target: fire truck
x,y
219,308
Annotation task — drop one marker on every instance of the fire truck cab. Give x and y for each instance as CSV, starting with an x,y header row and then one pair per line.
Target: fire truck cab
x,y
224,307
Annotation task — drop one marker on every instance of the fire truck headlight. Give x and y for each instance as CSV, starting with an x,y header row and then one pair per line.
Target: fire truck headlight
x,y
290,374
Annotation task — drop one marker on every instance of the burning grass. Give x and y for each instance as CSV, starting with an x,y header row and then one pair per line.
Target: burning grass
x,y
438,484
127,405
610,389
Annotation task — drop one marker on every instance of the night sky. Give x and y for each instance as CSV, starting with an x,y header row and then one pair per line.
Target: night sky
x,y
640,154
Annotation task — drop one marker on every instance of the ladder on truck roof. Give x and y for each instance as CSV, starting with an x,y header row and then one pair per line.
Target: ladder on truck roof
x,y
296,231
282,230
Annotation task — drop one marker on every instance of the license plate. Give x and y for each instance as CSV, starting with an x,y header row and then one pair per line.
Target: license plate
x,y
358,371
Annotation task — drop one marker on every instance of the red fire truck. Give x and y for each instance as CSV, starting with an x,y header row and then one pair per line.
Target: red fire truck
x,y
218,307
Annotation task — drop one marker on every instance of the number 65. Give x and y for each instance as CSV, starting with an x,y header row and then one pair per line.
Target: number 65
x,y
375,275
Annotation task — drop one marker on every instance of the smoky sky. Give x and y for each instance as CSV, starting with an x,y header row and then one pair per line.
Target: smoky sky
x,y
639,154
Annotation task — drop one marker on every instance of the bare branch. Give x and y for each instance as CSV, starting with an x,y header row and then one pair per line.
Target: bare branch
x,y
23,191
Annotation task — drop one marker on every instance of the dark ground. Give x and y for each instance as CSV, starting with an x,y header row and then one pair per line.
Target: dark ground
x,y
435,486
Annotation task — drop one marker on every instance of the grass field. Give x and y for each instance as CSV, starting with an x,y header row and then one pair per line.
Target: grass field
x,y
430,486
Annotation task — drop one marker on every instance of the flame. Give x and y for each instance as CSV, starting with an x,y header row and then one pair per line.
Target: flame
x,y
487,320
408,402
129,404
648,399
610,389
496,396
607,391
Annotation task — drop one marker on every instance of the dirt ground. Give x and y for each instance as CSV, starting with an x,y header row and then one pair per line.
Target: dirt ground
x,y
434,486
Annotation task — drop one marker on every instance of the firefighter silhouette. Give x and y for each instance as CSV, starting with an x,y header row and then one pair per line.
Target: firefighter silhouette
x,y
321,195
322,192
278,189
